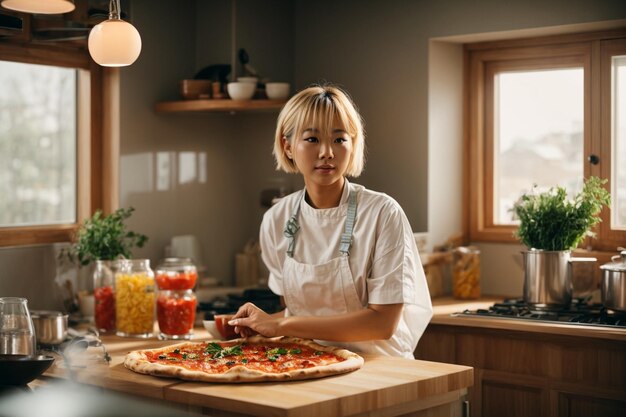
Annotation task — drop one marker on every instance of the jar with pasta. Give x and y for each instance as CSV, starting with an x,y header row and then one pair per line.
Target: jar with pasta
x,y
466,273
135,298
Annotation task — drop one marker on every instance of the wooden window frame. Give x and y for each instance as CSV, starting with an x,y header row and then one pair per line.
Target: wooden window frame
x,y
481,61
97,152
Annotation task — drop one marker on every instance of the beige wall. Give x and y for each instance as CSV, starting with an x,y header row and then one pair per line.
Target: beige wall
x,y
378,50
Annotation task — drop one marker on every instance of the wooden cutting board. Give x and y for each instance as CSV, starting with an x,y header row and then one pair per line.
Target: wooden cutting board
x,y
386,385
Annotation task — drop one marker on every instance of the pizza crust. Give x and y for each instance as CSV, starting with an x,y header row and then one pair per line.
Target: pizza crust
x,y
137,362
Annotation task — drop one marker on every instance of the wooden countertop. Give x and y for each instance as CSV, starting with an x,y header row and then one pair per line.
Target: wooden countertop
x,y
386,385
445,307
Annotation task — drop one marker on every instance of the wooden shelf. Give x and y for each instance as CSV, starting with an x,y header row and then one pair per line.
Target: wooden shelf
x,y
225,105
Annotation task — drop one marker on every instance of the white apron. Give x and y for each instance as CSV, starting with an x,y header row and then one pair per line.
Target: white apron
x,y
328,289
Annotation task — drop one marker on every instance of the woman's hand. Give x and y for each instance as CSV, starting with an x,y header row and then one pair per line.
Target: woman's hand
x,y
251,320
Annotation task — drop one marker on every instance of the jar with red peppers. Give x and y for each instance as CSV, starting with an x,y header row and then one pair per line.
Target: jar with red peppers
x,y
104,295
176,300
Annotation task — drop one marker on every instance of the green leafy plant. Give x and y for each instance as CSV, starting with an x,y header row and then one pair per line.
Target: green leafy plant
x,y
104,238
550,221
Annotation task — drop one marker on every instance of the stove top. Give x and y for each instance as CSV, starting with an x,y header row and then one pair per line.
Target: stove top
x,y
580,312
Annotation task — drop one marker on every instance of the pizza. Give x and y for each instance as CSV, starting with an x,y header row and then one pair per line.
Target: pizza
x,y
252,359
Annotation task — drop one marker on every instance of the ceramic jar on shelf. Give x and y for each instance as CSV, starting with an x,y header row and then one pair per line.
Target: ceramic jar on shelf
x,y
134,298
176,301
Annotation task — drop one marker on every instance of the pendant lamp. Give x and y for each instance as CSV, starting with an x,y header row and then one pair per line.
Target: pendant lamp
x,y
39,6
114,42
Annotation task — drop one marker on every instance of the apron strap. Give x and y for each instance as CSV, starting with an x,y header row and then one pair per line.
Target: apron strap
x,y
346,236
292,226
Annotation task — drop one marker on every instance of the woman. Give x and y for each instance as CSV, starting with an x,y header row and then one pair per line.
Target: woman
x,y
342,257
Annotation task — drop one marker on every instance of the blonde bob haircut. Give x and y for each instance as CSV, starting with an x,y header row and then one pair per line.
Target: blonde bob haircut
x,y
320,106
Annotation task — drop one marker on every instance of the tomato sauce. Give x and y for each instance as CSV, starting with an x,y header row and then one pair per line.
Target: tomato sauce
x,y
104,313
171,280
176,312
216,358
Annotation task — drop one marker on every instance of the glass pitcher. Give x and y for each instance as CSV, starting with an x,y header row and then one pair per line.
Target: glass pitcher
x,y
17,333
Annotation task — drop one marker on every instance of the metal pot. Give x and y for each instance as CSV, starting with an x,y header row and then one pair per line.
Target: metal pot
x,y
613,285
548,277
50,326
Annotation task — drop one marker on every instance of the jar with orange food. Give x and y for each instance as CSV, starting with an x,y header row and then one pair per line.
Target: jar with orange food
x,y
135,298
176,300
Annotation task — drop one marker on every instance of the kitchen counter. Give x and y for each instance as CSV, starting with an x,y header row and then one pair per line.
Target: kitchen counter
x,y
383,386
445,307
535,368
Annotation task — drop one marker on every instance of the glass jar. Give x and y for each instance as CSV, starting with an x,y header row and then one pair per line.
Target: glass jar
x,y
135,298
104,295
176,274
17,332
466,273
176,313
176,301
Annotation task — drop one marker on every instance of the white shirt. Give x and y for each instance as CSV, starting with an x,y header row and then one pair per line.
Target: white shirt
x,y
383,258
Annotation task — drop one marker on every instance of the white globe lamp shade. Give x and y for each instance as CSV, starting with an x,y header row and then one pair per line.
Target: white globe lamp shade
x,y
114,43
39,6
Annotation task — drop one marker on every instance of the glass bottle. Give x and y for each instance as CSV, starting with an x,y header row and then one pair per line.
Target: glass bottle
x,y
135,298
466,273
104,295
176,300
17,332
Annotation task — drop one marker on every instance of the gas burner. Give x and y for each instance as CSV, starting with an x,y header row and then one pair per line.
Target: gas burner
x,y
580,312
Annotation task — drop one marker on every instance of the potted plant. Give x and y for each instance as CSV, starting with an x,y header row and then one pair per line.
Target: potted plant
x,y
102,239
551,226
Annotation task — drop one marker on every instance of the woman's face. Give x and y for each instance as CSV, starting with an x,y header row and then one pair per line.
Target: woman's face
x,y
322,155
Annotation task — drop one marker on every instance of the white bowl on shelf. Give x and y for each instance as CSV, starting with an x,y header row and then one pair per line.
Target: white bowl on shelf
x,y
277,91
241,90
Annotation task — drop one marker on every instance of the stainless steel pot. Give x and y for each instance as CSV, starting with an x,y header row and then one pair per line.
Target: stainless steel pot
x,y
548,277
613,285
50,326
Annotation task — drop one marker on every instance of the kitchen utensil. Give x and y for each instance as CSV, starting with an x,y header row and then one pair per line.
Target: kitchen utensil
x,y
241,90
613,284
17,334
277,91
21,369
50,326
548,277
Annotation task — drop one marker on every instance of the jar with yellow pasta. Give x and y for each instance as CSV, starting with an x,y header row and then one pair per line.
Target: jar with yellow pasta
x,y
135,298
466,273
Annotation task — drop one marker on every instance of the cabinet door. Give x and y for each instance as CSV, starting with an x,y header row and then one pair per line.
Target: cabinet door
x,y
578,405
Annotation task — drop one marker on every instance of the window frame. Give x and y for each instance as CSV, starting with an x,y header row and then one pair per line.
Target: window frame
x,y
481,61
96,159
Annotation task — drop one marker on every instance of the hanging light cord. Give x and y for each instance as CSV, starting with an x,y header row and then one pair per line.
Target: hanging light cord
x,y
115,10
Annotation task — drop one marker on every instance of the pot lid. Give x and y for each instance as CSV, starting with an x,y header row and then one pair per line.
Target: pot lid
x,y
618,263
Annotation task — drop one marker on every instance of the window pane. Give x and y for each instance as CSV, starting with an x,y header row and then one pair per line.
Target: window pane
x,y
618,139
37,144
538,134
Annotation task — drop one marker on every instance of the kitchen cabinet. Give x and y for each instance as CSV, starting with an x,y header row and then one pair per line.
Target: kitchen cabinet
x,y
225,105
384,386
531,369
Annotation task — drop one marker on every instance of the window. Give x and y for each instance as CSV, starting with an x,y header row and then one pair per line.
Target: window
x,y
545,112
54,155
37,144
